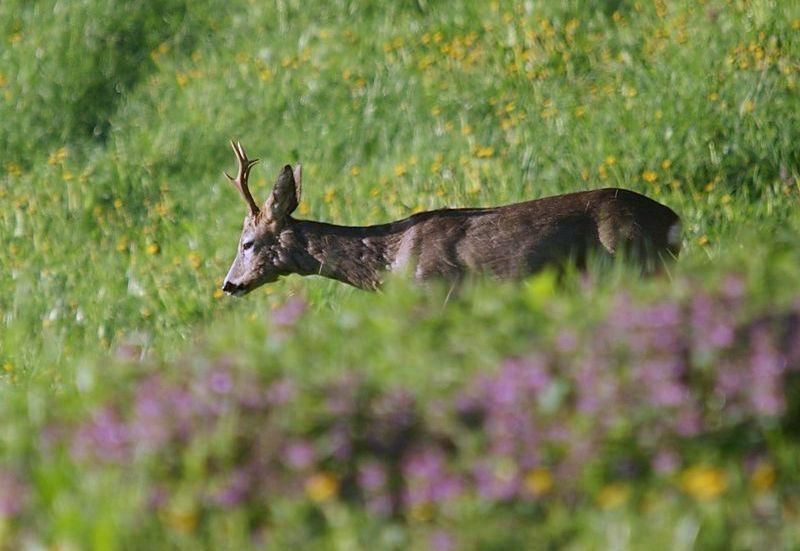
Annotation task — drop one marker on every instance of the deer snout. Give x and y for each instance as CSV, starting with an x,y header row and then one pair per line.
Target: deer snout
x,y
232,288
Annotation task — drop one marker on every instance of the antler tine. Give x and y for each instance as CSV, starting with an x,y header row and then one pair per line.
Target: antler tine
x,y
242,175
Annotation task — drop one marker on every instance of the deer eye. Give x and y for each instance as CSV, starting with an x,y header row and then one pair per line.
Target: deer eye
x,y
247,245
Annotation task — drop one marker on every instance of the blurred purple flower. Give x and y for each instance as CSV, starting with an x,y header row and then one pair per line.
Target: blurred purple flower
x,y
235,490
288,313
766,374
158,497
665,462
496,481
379,505
220,381
103,436
281,392
428,479
372,476
687,422
341,441
13,495
440,540
566,341
299,454
733,287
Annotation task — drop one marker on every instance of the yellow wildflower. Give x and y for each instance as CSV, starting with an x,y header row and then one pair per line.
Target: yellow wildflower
x,y
183,520
266,74
153,248
613,496
649,176
763,477
57,156
322,487
400,170
483,152
666,164
422,512
13,169
426,61
629,91
355,170
195,260
703,483
436,165
539,481
702,240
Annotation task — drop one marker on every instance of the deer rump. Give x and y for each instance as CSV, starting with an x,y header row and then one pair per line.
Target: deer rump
x,y
515,240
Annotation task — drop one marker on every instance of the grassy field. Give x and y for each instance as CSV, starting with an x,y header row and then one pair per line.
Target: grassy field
x,y
143,409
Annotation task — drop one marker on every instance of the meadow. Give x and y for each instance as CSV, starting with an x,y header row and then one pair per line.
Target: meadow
x,y
142,408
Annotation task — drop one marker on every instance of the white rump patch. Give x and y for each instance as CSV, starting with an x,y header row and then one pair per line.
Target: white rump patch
x,y
674,234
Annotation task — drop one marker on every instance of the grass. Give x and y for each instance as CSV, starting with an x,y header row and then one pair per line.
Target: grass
x,y
118,226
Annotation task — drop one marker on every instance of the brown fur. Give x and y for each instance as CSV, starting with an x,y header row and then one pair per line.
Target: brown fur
x,y
506,242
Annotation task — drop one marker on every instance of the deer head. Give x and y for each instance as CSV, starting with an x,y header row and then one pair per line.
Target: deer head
x,y
261,257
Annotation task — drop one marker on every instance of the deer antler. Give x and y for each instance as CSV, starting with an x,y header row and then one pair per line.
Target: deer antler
x,y
240,181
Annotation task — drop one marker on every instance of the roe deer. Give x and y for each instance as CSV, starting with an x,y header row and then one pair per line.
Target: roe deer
x,y
506,242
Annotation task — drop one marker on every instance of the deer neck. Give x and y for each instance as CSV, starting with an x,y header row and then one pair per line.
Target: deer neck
x,y
357,255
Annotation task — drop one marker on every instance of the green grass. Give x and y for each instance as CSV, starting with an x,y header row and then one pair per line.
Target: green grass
x,y
117,225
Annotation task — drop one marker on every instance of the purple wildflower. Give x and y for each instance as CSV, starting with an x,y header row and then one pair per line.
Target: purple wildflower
x,y
281,392
288,313
372,476
104,436
220,381
440,540
13,495
299,454
235,490
665,462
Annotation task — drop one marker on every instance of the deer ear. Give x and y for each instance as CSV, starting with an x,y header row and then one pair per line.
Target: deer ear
x,y
284,197
298,181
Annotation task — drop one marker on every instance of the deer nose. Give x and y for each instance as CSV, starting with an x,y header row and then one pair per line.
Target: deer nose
x,y
229,287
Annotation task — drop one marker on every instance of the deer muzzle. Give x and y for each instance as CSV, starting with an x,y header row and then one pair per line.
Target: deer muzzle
x,y
233,288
